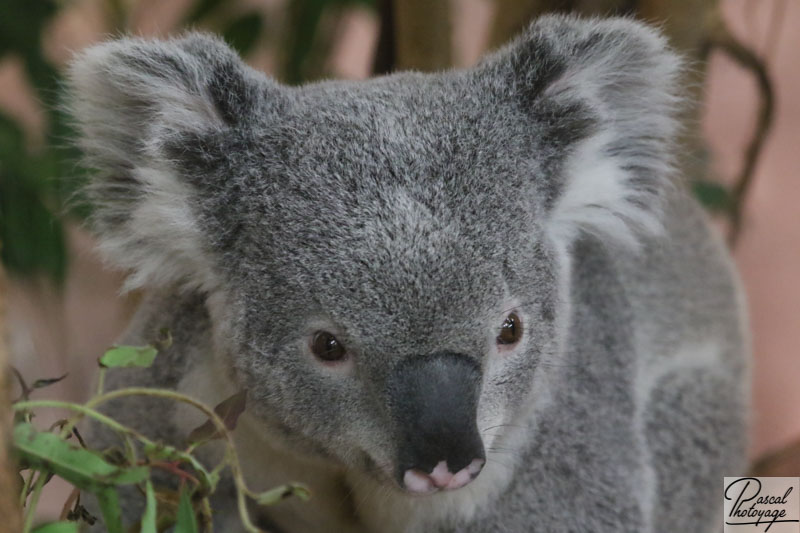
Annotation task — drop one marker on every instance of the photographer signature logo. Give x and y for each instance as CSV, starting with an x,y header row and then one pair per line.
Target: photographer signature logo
x,y
762,504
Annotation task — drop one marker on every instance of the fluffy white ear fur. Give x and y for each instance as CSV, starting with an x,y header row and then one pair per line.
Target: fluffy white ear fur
x,y
160,242
130,92
624,74
599,199
127,96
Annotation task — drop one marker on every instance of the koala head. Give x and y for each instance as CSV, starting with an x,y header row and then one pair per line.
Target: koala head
x,y
389,259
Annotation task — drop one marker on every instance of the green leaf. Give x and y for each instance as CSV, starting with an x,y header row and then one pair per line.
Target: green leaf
x,y
278,494
186,521
108,499
85,469
58,527
243,32
229,411
714,196
129,356
150,509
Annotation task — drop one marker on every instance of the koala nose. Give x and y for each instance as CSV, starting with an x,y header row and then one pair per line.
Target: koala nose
x,y
434,402
420,482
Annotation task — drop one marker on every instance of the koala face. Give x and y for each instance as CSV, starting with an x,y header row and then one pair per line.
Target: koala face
x,y
372,281
390,258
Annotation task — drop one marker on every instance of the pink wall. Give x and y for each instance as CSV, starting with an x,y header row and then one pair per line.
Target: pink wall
x,y
768,253
50,334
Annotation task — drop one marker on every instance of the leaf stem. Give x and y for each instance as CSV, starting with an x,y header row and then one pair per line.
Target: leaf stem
x,y
101,380
26,487
30,512
230,458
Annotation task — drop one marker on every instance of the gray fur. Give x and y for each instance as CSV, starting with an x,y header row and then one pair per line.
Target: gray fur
x,y
407,215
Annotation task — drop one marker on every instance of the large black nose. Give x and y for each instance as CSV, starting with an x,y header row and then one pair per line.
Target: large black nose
x,y
434,400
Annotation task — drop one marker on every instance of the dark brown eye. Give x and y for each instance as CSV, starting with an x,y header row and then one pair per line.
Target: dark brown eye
x,y
326,347
511,330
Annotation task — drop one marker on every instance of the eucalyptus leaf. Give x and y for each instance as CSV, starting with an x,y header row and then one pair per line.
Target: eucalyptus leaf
x,y
186,521
108,500
229,411
85,469
129,356
58,527
150,509
41,383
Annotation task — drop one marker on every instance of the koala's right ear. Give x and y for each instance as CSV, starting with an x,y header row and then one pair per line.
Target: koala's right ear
x,y
155,118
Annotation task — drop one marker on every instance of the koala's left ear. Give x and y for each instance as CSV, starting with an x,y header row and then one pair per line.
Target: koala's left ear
x,y
160,122
600,96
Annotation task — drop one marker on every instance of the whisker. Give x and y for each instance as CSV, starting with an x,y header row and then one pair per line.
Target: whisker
x,y
501,426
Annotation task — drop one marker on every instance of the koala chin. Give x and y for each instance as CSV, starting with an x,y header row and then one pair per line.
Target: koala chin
x,y
471,301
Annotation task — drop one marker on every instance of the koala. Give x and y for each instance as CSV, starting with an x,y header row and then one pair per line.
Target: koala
x,y
476,300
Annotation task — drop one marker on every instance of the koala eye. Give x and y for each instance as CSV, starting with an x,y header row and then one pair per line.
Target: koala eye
x,y
327,347
511,330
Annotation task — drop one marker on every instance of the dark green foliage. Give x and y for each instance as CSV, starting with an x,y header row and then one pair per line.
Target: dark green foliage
x,y
34,185
31,234
38,187
21,23
714,196
243,32
201,10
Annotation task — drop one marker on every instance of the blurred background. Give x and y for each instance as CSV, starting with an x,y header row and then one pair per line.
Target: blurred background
x,y
741,151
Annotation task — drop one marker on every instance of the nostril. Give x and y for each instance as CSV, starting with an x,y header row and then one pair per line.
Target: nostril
x,y
475,467
466,474
419,482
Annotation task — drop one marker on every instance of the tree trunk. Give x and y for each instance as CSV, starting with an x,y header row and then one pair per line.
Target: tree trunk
x,y
422,34
9,485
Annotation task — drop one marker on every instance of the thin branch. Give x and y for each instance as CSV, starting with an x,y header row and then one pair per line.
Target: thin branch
x,y
783,462
73,498
723,40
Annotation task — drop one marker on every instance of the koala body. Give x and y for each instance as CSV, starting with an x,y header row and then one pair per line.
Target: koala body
x,y
469,301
